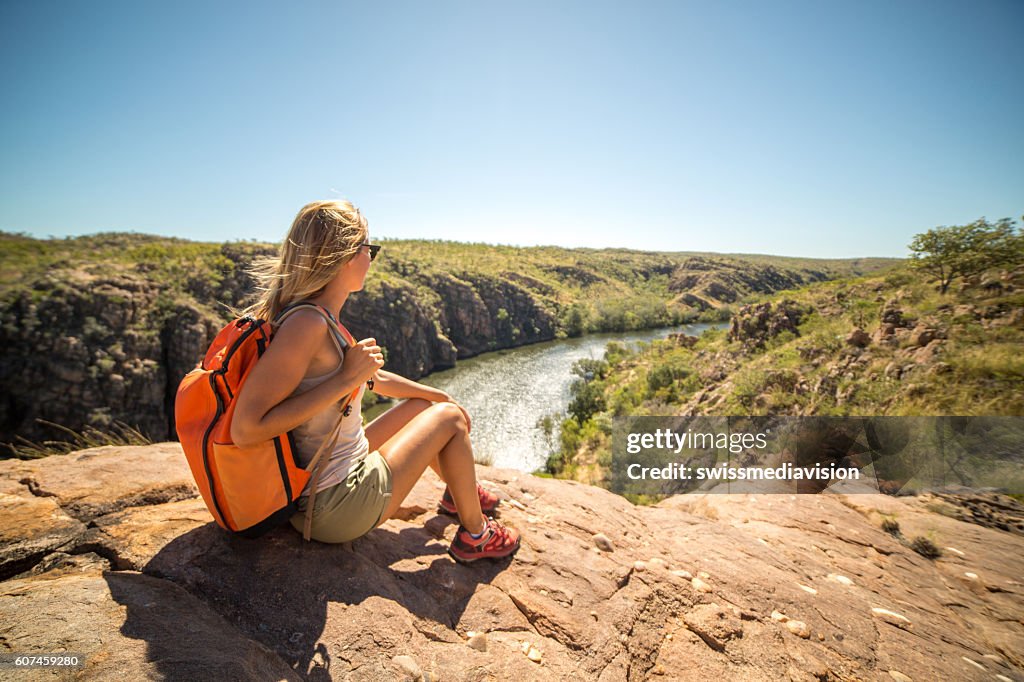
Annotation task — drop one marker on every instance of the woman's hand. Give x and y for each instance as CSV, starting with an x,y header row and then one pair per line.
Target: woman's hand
x,y
362,360
469,422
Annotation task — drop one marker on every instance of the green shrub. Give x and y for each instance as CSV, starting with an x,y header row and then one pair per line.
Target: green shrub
x,y
587,398
666,375
590,369
575,320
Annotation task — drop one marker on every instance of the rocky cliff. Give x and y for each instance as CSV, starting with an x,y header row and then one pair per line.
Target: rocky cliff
x,y
705,283
98,330
109,553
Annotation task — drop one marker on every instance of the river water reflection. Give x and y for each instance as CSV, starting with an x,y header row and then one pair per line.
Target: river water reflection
x,y
507,392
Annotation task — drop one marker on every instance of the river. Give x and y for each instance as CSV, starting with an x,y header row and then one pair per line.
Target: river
x,y
507,392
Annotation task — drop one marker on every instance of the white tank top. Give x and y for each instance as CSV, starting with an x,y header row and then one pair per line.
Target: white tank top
x,y
351,446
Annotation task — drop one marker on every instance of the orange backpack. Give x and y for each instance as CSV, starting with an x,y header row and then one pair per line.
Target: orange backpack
x,y
249,490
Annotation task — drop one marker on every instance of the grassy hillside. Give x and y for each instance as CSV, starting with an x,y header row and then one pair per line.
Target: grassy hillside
x,y
614,289
873,345
99,330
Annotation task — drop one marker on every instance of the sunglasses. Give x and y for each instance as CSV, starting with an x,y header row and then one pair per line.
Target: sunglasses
x,y
374,249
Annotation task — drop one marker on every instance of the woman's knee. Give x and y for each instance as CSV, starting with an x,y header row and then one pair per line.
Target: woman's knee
x,y
450,413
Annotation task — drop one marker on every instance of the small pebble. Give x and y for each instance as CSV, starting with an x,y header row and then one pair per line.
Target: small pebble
x,y
703,576
780,617
603,543
525,647
799,628
534,655
821,637
1003,678
892,618
809,590
657,562
685,575
977,665
972,576
899,677
954,550
593,614
700,585
478,641
409,665
639,566
841,579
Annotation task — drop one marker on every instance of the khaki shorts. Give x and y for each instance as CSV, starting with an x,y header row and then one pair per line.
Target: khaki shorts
x,y
350,509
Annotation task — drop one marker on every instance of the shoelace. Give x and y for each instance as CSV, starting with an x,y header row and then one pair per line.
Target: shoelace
x,y
498,531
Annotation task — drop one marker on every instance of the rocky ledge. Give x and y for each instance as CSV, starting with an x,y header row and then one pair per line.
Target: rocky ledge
x,y
108,553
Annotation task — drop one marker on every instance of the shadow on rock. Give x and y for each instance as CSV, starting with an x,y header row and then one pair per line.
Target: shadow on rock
x,y
309,601
185,639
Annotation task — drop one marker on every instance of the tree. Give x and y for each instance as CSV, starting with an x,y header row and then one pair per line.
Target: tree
x,y
966,250
575,320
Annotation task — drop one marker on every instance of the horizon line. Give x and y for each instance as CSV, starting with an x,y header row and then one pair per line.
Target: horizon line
x,y
52,237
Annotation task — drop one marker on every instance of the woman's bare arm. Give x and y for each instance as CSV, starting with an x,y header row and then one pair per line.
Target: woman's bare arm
x,y
264,407
393,385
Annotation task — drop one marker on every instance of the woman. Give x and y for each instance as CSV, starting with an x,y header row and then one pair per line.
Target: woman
x,y
300,384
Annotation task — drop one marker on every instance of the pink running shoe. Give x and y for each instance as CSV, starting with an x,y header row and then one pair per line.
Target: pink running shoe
x,y
497,542
488,502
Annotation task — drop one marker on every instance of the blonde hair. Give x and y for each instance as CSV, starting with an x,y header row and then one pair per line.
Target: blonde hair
x,y
324,236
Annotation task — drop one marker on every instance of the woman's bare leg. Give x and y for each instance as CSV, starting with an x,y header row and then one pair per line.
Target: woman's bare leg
x,y
438,432
384,427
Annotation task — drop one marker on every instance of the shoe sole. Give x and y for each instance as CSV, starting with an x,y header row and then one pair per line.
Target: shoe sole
x,y
465,561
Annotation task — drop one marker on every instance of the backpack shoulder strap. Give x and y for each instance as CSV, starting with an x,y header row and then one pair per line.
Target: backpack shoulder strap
x,y
340,342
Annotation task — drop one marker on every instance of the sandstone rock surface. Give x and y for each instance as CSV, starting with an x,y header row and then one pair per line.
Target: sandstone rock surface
x,y
131,572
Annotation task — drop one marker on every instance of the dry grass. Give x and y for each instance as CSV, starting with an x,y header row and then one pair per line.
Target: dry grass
x,y
118,433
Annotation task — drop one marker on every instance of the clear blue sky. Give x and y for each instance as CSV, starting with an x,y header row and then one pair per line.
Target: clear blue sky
x,y
827,129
